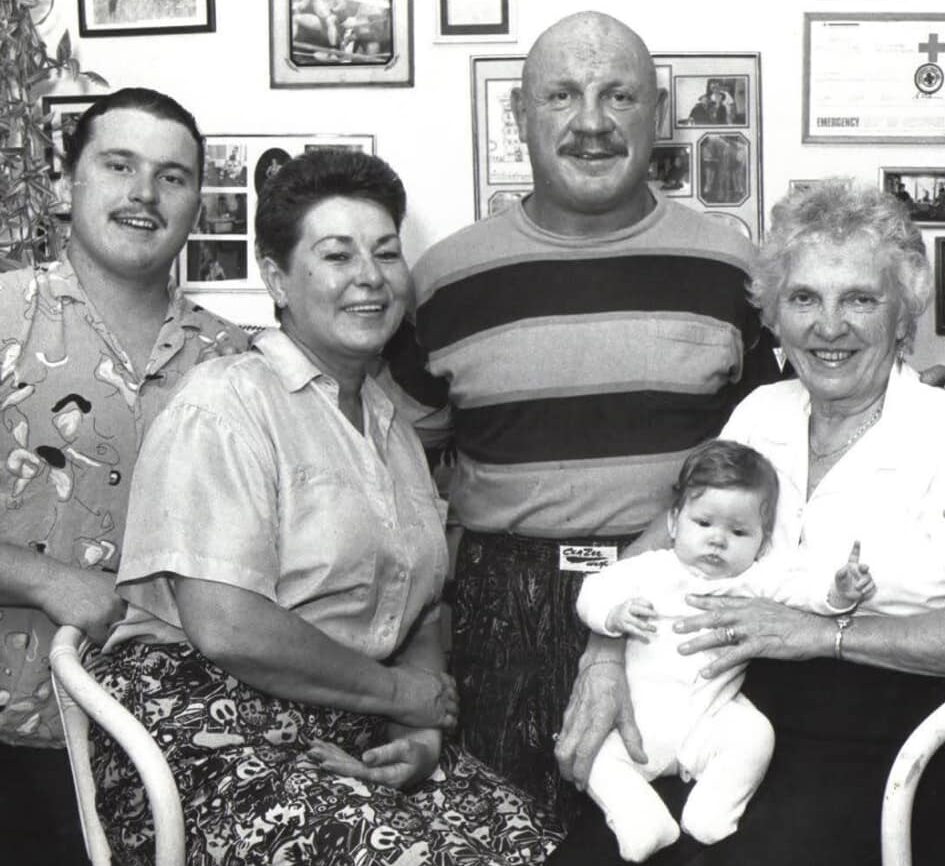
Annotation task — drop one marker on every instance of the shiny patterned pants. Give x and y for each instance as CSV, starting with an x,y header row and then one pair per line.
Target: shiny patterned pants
x,y
516,642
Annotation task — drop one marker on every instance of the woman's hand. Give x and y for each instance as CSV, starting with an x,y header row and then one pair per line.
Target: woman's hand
x,y
424,698
402,762
747,628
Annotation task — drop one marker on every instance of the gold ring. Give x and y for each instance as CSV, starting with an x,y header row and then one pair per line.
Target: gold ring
x,y
730,636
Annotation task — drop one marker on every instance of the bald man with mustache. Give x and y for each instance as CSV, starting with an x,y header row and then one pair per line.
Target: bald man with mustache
x,y
573,350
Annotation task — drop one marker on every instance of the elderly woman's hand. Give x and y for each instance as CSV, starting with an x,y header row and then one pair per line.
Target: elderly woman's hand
x,y
424,698
747,628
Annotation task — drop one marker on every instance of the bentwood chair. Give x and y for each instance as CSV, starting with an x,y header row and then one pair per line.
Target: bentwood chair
x,y
81,698
901,784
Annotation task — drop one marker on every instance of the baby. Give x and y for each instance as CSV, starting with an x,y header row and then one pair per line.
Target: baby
x,y
720,523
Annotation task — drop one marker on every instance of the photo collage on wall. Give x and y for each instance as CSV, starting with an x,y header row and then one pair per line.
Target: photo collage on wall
x,y
707,152
220,254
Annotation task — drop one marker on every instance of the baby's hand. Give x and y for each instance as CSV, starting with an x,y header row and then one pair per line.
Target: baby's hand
x,y
852,583
632,617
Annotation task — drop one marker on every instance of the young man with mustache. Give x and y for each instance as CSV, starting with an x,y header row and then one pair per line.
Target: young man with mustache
x,y
90,348
574,349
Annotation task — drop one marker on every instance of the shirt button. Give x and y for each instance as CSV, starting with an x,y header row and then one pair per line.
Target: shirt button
x,y
114,478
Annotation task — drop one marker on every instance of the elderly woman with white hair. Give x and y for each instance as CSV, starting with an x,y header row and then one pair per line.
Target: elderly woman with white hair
x,y
857,442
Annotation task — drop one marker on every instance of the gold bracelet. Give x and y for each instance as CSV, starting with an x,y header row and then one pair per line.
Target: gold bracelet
x,y
843,622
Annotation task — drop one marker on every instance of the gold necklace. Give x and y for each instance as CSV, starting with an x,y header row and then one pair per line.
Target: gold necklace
x,y
819,457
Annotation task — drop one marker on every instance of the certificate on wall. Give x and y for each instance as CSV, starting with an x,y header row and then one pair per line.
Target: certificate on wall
x,y
874,77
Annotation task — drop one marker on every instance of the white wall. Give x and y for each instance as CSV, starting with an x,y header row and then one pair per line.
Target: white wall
x,y
425,131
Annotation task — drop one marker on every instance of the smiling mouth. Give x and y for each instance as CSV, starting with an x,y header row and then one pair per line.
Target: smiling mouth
x,y
832,356
137,222
365,309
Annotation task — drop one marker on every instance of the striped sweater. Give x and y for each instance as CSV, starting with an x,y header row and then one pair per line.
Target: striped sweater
x,y
575,374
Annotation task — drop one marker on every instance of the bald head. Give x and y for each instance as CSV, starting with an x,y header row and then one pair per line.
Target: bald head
x,y
586,36
588,109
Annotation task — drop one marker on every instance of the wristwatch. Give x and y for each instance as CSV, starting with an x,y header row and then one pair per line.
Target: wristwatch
x,y
843,622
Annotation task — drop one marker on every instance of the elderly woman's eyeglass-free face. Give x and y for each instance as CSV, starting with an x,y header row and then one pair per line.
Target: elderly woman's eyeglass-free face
x,y
838,322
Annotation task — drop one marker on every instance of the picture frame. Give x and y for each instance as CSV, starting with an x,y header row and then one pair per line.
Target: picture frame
x,y
922,190
219,255
475,21
940,286
373,45
804,184
873,78
723,178
61,114
145,17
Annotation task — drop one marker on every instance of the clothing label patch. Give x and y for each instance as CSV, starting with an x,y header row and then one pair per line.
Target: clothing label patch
x,y
586,559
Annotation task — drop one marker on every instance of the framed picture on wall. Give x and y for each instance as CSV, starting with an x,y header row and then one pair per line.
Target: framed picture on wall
x,y
219,255
145,17
61,113
874,77
921,189
808,184
940,285
344,43
475,21
712,165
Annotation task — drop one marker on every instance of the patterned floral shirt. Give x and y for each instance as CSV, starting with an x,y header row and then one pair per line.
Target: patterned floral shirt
x,y
73,413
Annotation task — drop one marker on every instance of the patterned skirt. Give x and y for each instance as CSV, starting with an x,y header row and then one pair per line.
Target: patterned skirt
x,y
251,793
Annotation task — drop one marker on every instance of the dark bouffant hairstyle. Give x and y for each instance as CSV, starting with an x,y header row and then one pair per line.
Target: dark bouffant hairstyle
x,y
727,464
306,180
143,99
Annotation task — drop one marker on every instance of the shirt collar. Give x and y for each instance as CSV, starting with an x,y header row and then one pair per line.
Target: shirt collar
x,y
294,368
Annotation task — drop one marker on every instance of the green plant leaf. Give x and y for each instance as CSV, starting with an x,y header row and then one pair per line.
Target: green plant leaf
x,y
64,48
95,78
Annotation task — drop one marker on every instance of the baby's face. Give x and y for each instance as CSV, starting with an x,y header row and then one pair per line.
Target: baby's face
x,y
718,533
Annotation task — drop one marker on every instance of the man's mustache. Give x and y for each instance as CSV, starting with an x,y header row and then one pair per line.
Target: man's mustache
x,y
593,147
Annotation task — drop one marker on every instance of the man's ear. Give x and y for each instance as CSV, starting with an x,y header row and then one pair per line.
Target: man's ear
x,y
274,279
662,106
518,112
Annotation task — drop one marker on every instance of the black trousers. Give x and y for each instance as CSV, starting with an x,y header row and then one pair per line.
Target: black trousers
x,y
838,728
39,816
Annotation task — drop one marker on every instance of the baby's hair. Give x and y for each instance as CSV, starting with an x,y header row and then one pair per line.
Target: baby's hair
x,y
727,464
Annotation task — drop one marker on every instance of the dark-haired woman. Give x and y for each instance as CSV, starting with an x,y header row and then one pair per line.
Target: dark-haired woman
x,y
283,566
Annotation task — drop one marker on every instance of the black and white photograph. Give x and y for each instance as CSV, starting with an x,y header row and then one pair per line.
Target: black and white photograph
x,y
711,100
671,169
222,213
472,433
212,261
341,42
268,166
664,82
723,169
145,17
224,165
922,190
475,20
